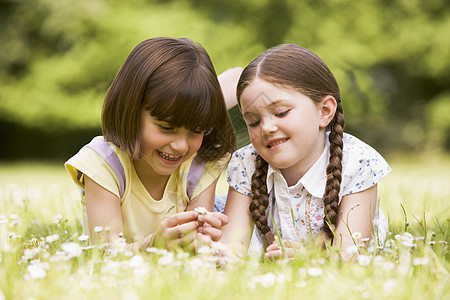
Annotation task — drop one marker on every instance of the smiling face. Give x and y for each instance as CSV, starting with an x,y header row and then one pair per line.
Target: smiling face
x,y
286,127
165,147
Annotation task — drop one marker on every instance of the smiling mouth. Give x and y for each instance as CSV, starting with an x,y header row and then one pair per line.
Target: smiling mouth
x,y
168,156
276,143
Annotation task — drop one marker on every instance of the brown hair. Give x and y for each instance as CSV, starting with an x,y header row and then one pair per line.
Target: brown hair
x,y
295,67
175,81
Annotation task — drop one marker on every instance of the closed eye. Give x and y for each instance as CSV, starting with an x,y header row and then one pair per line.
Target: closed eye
x,y
197,131
166,127
282,114
254,124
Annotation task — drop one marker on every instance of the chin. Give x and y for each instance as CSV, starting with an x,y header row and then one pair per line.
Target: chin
x,y
166,173
281,164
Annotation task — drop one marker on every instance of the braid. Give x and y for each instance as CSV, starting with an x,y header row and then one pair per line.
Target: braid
x,y
334,169
260,199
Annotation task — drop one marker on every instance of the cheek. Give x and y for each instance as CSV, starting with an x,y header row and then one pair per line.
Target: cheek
x,y
196,143
152,139
255,138
253,133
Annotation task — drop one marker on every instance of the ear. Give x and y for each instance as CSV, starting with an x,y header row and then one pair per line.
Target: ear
x,y
327,109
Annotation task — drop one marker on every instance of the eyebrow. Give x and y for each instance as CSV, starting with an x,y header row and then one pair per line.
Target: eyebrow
x,y
246,115
272,104
276,102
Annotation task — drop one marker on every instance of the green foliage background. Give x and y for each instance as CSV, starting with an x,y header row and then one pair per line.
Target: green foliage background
x,y
57,59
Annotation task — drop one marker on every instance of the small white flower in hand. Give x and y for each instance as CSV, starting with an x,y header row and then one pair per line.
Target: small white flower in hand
x,y
201,210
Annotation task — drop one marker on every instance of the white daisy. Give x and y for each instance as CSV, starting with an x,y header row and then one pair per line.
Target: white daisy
x,y
57,219
52,238
356,235
98,229
201,210
315,272
83,237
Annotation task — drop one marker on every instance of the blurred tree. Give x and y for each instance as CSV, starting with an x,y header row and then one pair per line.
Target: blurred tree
x,y
268,20
391,58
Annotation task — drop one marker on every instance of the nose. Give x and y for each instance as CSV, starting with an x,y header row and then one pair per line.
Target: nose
x,y
180,144
268,125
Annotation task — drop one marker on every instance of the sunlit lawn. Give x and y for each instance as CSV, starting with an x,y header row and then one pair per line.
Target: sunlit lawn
x,y
44,255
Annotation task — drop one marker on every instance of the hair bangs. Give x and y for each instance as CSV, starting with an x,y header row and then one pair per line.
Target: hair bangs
x,y
185,101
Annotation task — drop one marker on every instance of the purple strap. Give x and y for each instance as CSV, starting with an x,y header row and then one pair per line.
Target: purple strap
x,y
104,149
195,173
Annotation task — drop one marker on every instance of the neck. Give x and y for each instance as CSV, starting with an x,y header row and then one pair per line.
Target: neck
x,y
292,176
294,173
153,182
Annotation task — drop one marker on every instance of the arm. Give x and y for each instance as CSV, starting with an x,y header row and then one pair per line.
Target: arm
x,y
238,232
205,198
104,209
358,210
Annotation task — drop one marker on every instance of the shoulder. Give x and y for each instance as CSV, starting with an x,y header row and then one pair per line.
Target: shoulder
x,y
362,165
194,175
213,169
245,153
244,157
94,160
241,169
353,144
97,152
221,163
358,152
195,165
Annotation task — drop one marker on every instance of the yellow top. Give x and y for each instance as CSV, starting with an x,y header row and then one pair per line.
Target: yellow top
x,y
141,214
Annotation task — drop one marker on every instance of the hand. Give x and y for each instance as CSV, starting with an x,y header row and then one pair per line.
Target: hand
x,y
211,224
291,249
178,230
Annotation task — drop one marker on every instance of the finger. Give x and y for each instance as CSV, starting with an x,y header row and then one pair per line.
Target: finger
x,y
211,220
274,254
182,240
273,246
180,218
222,217
288,252
182,229
215,219
187,239
291,243
203,239
181,244
214,233
294,246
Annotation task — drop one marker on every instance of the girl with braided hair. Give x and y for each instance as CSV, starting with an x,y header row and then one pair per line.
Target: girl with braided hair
x,y
301,170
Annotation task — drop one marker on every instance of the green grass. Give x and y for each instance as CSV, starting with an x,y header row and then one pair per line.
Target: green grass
x,y
32,266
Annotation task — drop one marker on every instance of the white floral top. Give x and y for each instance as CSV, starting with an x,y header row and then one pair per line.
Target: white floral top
x,y
298,210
